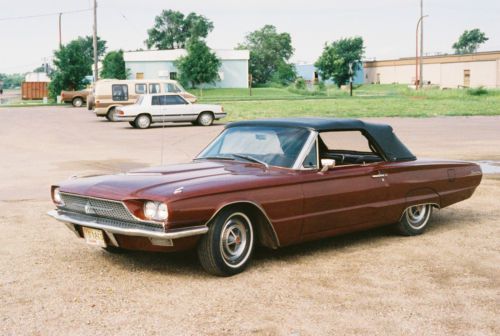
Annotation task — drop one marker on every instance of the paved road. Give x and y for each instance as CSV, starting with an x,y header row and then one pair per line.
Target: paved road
x,y
443,282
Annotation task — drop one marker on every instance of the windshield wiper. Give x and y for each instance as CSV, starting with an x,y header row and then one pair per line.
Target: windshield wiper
x,y
251,158
214,158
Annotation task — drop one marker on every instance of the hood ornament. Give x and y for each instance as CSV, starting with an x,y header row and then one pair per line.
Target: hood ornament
x,y
178,190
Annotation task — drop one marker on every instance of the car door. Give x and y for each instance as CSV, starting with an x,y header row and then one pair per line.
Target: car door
x,y
344,198
175,108
156,107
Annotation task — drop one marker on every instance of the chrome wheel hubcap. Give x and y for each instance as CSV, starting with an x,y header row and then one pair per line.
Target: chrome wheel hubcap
x,y
236,240
206,119
143,122
416,216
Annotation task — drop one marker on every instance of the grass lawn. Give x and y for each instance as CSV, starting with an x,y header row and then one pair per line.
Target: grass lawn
x,y
368,101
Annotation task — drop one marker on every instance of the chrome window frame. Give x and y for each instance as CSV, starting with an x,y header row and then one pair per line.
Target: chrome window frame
x,y
311,141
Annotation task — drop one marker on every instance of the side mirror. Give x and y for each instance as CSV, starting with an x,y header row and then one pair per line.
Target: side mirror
x,y
327,164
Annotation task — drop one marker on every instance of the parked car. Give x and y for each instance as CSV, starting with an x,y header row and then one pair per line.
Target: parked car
x,y
274,182
156,108
76,98
108,94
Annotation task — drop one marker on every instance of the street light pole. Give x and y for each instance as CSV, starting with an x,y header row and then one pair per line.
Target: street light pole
x,y
418,81
96,74
421,44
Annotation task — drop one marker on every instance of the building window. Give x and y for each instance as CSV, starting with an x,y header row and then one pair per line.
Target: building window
x,y
139,75
140,88
119,92
154,88
173,75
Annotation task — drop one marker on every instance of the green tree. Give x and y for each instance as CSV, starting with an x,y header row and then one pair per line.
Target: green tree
x,y
199,66
469,41
11,80
269,52
172,30
336,57
73,62
113,65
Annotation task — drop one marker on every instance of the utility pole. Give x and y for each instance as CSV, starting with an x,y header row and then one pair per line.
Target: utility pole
x,y
60,33
421,82
96,74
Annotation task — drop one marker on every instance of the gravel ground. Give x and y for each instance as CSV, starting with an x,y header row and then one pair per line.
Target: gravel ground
x,y
446,281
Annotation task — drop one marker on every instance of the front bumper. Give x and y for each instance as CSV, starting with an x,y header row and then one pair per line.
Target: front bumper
x,y
111,226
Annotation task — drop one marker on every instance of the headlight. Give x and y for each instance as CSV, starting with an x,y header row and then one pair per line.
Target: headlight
x,y
56,196
155,211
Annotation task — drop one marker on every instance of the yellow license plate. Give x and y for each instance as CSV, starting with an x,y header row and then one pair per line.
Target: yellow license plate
x,y
94,237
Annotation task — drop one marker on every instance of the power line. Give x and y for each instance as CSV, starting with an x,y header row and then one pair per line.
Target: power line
x,y
44,15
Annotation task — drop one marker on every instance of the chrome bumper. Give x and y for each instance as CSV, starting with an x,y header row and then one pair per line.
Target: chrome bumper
x,y
123,228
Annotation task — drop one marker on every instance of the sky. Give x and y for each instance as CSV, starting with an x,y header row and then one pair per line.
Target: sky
x,y
387,26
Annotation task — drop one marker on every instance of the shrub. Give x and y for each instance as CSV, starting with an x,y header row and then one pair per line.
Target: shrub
x,y
480,91
300,84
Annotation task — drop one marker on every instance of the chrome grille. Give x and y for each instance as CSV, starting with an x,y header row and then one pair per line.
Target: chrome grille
x,y
101,208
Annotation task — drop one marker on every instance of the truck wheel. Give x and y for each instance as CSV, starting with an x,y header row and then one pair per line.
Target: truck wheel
x,y
415,219
205,119
228,245
142,121
77,102
111,115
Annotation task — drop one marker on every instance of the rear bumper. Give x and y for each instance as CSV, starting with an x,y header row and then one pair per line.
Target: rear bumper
x,y
123,228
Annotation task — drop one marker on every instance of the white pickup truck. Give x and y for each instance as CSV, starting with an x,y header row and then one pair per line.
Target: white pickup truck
x,y
154,108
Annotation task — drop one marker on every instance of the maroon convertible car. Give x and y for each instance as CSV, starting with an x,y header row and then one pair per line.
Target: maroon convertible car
x,y
272,182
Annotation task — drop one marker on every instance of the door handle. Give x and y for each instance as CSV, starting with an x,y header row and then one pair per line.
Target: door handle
x,y
379,175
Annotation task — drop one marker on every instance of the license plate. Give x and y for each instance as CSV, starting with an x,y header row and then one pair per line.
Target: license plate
x,y
94,237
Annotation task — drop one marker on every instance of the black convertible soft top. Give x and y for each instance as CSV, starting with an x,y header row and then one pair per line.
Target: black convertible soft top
x,y
380,135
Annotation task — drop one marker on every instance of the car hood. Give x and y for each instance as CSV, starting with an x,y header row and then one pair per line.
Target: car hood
x,y
177,181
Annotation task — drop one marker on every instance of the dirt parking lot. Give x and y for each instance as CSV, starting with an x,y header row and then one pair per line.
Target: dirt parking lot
x,y
446,281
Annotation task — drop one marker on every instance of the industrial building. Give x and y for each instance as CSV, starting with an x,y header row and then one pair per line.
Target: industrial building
x,y
160,64
446,71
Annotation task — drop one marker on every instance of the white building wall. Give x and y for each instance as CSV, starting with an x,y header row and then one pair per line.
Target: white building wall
x,y
447,75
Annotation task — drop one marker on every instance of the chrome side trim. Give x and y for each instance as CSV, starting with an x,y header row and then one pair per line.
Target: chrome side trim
x,y
97,223
305,150
247,202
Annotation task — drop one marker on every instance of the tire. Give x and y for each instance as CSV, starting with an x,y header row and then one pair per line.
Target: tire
x,y
227,247
132,123
77,102
205,119
142,121
415,219
111,115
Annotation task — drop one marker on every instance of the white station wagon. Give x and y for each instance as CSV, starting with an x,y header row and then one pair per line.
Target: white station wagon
x,y
154,108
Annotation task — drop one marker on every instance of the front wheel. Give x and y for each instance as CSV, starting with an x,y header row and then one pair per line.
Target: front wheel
x,y
132,123
228,245
415,219
205,119
143,121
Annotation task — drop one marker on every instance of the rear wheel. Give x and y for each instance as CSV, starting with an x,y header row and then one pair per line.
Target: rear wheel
x,y
415,219
111,115
77,102
228,245
205,119
142,121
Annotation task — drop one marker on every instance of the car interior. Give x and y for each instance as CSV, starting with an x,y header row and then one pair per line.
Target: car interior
x,y
347,148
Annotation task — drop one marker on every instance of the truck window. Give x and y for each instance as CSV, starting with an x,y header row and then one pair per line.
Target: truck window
x,y
140,88
154,88
119,92
170,87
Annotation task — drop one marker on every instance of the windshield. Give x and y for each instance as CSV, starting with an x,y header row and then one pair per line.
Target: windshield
x,y
276,146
